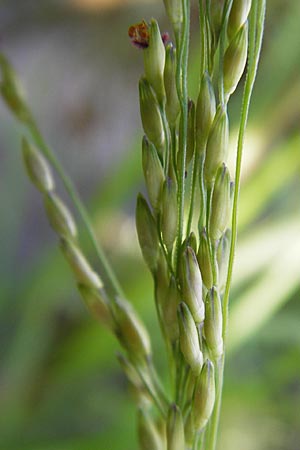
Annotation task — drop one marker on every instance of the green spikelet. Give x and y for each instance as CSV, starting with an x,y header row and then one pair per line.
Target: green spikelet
x,y
154,61
223,258
217,145
235,60
205,112
131,331
153,173
82,270
37,168
189,339
12,92
216,9
238,15
59,216
204,396
213,323
204,260
175,13
221,203
150,115
147,233
96,304
191,284
172,103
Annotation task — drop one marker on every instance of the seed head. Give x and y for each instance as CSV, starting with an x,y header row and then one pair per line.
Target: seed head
x,y
37,168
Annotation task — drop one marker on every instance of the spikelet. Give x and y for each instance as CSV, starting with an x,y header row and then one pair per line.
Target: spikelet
x,y
37,168
213,323
59,216
147,233
217,145
189,339
154,61
204,396
191,284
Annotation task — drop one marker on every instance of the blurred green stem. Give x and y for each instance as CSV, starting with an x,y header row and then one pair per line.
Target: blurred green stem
x,y
255,41
114,288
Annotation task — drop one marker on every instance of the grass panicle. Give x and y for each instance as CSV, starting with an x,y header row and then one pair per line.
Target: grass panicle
x,y
186,227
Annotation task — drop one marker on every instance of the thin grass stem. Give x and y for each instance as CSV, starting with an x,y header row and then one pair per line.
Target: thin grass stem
x,y
255,41
114,287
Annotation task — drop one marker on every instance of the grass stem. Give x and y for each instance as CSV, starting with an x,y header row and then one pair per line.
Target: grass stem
x,y
114,288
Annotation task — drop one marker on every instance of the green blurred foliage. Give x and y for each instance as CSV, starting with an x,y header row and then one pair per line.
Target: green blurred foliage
x,y
60,385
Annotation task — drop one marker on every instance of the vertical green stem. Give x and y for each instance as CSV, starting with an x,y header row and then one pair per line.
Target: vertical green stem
x,y
255,41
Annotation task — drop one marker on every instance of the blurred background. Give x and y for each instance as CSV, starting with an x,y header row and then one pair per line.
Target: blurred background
x,y
60,385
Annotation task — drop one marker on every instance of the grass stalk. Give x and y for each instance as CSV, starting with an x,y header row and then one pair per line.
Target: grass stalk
x,y
255,42
114,287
